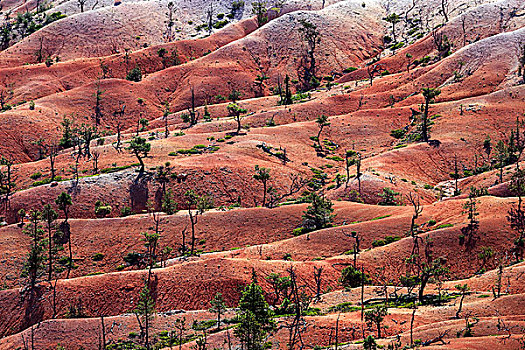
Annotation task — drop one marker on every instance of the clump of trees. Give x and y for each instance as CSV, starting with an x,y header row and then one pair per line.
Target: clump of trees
x,y
375,317
516,214
468,233
47,239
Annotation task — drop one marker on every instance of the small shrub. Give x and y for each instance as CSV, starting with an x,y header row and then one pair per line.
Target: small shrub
x,y
387,240
36,175
134,75
444,226
398,133
125,211
97,257
101,209
220,24
352,278
349,69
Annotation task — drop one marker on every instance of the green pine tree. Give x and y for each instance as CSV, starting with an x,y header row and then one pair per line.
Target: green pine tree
x,y
255,317
145,312
219,307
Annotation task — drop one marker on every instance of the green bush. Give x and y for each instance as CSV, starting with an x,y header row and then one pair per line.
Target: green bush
x,y
36,175
97,257
349,69
45,181
398,133
134,75
336,158
101,209
444,226
125,211
352,278
387,240
220,24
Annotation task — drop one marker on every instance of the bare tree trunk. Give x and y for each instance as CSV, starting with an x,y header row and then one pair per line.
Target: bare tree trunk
x,y
103,332
412,327
362,293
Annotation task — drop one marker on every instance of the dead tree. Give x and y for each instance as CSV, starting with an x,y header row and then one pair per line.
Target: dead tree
x,y
297,183
318,271
301,302
209,18
98,99
414,199
52,152
170,22
356,249
444,9
438,339
372,70
81,4
96,156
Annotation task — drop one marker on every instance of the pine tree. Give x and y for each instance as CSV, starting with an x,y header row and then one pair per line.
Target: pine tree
x,y
145,312
34,265
63,202
219,307
255,317
318,215
429,94
49,215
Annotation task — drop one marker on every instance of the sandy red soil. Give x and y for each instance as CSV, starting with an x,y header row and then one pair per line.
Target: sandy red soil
x,y
481,95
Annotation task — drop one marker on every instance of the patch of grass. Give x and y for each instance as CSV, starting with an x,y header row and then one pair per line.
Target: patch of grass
x,y
203,325
444,226
336,158
114,169
385,241
380,217
46,181
343,307
95,273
